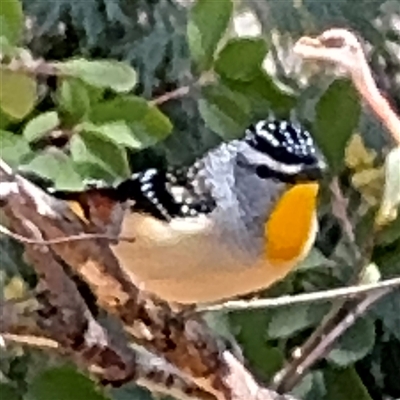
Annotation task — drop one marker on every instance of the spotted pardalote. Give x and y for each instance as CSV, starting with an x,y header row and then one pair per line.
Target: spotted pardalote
x,y
236,221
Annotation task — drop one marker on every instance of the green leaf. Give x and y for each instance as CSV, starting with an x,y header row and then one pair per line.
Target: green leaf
x,y
116,75
147,123
6,48
225,112
314,259
388,311
241,59
11,20
8,392
208,22
13,148
263,94
118,132
287,321
252,336
311,387
73,97
153,127
338,113
57,167
96,155
5,120
355,343
17,93
391,197
122,108
344,384
41,125
64,384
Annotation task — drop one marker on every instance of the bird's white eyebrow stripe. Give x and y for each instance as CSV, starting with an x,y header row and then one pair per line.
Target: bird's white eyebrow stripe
x,y
264,159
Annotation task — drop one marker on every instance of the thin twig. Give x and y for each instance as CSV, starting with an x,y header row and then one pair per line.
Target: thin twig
x,y
339,209
326,343
66,239
175,94
332,294
342,48
33,67
30,340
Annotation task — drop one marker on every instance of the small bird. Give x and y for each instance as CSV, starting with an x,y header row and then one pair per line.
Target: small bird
x,y
235,222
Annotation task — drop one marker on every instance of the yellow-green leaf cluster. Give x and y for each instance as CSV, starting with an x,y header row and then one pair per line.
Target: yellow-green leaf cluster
x,y
367,178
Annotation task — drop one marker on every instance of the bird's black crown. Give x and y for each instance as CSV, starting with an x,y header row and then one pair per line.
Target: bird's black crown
x,y
284,141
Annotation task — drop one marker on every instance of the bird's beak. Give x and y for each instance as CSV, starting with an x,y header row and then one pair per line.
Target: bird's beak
x,y
313,172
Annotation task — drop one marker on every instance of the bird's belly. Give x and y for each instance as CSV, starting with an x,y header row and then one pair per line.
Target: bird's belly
x,y
161,252
190,267
189,275
194,267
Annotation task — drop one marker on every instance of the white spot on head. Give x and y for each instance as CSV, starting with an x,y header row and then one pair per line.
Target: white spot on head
x,y
283,126
147,175
146,187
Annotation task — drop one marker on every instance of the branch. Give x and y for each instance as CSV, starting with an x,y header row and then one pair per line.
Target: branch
x,y
183,340
341,47
26,64
175,94
282,301
293,375
151,372
30,66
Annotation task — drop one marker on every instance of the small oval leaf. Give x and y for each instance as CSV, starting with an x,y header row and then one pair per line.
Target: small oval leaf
x,y
6,48
116,75
92,152
11,20
263,94
208,22
344,383
39,126
119,132
154,125
147,123
355,343
122,108
225,112
289,320
13,148
57,167
17,93
388,311
338,113
250,328
73,98
241,59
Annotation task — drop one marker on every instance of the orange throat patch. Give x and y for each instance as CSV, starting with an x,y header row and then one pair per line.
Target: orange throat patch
x,y
291,224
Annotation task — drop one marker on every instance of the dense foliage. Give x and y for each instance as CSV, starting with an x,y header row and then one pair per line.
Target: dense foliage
x,y
98,88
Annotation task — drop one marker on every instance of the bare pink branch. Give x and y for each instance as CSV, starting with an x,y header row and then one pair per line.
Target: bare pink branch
x,y
341,47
